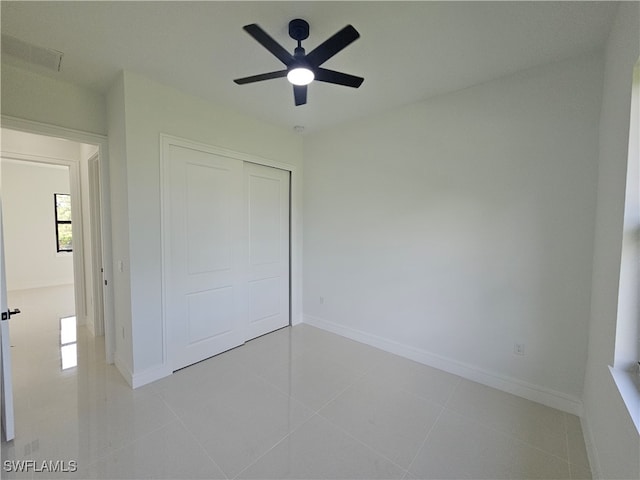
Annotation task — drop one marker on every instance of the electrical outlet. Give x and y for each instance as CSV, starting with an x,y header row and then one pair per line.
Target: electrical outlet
x,y
518,348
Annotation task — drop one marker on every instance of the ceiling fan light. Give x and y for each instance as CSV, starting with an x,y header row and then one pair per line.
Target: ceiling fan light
x,y
300,76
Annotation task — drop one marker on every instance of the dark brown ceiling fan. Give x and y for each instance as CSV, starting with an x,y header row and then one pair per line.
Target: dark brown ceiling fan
x,y
303,68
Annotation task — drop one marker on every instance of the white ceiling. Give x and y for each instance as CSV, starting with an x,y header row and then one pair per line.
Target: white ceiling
x,y
408,51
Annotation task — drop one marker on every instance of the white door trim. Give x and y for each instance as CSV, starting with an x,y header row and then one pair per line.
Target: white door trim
x,y
6,375
295,244
93,165
101,141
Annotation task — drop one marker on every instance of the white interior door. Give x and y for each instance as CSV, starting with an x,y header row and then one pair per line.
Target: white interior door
x,y
5,356
267,207
205,287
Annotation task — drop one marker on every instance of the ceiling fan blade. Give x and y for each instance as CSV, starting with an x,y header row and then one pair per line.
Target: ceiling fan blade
x,y
339,78
331,46
269,43
300,94
261,77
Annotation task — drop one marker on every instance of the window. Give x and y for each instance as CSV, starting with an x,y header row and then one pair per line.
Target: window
x,y
627,328
627,346
63,222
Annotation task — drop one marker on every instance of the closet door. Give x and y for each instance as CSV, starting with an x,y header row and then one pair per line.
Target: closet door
x,y
205,286
267,207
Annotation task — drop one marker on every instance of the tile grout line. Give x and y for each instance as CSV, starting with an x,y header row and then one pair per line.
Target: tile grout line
x,y
442,410
127,442
419,394
317,413
340,392
369,447
424,442
188,430
404,390
357,377
453,391
262,379
274,445
507,434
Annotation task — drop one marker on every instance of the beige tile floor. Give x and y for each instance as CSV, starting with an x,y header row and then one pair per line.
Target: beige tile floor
x,y
297,403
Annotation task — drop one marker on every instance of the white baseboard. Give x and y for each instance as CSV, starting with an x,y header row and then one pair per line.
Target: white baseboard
x,y
123,368
297,320
536,393
61,282
139,379
150,375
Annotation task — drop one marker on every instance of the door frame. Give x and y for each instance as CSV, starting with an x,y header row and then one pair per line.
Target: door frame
x,y
101,141
93,173
6,375
295,225
78,258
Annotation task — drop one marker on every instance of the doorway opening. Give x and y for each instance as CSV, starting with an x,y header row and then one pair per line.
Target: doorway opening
x,y
84,207
52,228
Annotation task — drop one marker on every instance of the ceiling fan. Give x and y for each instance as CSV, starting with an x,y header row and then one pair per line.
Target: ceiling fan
x,y
303,68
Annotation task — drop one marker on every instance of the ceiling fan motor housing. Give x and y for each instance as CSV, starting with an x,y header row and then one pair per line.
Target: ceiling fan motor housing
x,y
298,29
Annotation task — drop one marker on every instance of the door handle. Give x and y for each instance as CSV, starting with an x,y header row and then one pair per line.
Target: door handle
x,y
9,313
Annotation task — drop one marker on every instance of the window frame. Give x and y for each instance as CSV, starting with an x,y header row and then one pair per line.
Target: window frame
x,y
626,362
61,222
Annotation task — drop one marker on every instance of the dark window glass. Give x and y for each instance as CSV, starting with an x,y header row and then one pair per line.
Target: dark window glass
x,y
63,222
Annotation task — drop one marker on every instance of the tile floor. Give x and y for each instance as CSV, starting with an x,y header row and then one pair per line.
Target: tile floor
x,y
297,403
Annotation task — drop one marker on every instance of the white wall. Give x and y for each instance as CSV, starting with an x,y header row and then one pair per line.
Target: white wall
x,y
150,109
613,440
39,98
119,224
29,225
454,228
39,146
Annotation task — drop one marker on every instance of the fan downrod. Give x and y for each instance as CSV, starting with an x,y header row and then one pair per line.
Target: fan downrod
x,y
298,29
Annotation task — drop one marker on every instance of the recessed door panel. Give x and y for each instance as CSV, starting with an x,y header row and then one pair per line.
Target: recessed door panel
x,y
267,200
264,299
209,221
210,314
265,219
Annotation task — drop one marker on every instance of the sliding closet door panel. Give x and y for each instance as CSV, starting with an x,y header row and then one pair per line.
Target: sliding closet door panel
x,y
206,290
267,207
